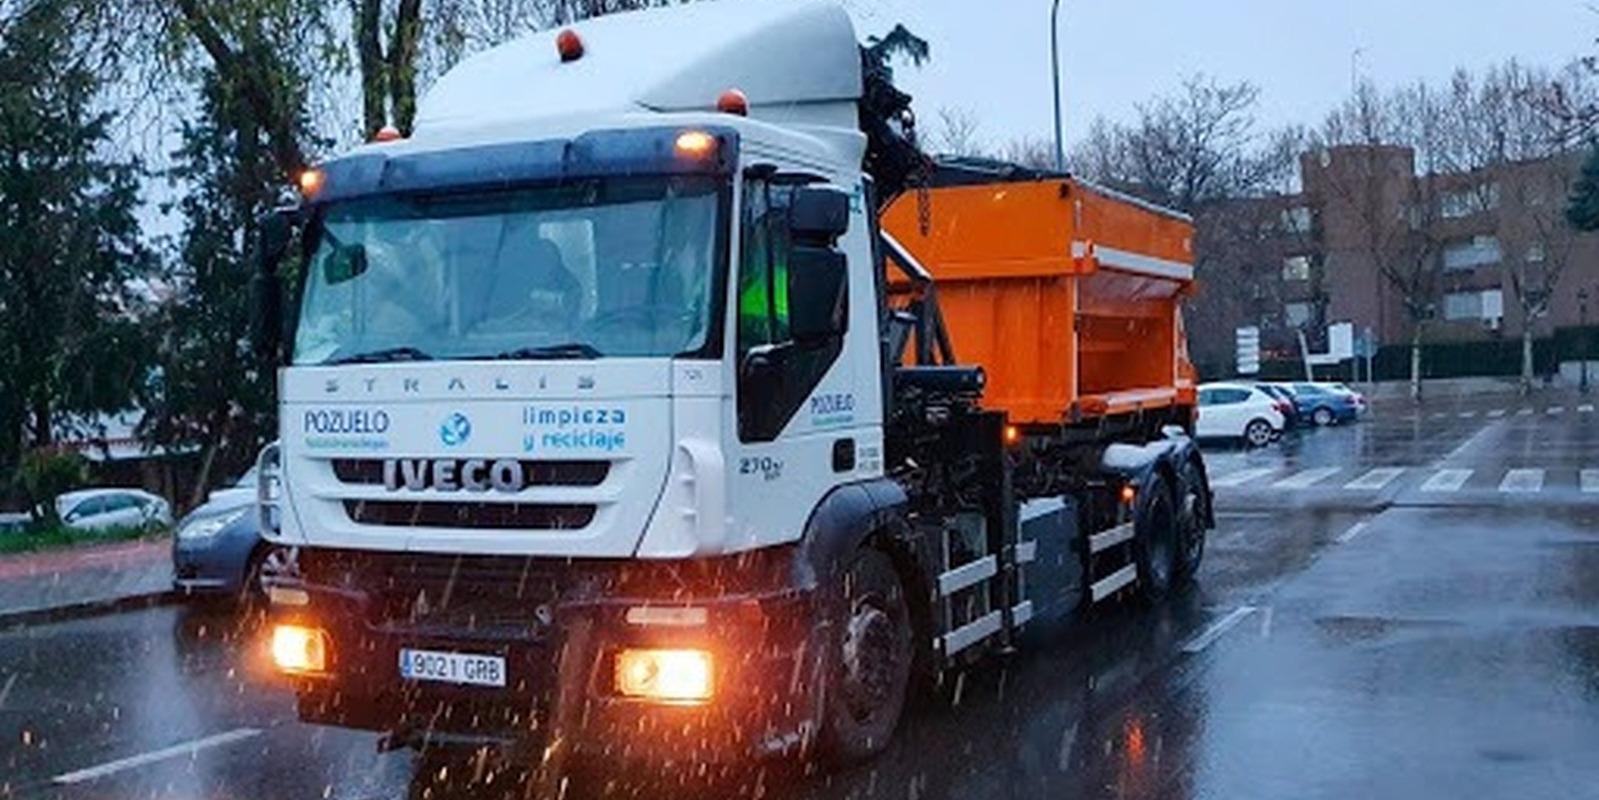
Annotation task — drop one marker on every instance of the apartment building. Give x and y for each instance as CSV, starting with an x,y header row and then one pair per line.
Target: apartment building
x,y
1369,241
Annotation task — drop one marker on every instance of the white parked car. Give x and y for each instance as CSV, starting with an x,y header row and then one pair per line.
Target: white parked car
x,y
1238,411
103,509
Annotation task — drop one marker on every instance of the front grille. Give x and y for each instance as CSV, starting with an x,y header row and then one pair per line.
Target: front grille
x,y
508,595
495,516
369,472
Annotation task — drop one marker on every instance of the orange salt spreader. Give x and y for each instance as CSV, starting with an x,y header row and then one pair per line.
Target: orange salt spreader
x,y
1067,294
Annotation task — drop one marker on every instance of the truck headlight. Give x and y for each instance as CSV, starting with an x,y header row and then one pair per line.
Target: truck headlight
x,y
669,676
210,525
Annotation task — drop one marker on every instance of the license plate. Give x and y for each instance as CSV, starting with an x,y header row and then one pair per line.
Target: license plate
x,y
442,667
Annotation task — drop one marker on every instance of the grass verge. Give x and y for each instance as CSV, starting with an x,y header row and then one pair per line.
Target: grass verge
x,y
41,537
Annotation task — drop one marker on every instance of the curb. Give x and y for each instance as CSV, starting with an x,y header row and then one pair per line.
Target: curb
x,y
11,620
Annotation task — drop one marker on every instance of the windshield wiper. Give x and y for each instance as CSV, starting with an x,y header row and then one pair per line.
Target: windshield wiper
x,y
406,353
551,352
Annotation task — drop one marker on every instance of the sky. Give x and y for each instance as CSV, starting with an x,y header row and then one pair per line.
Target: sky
x,y
990,58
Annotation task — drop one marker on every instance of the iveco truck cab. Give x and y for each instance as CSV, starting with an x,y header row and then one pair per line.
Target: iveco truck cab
x,y
597,431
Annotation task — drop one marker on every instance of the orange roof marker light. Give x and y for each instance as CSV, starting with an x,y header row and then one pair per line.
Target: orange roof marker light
x,y
569,45
387,133
311,181
695,144
733,101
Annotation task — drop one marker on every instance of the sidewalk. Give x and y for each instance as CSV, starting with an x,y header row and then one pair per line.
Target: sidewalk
x,y
61,584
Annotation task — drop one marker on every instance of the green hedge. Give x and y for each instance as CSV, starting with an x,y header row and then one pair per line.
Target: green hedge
x,y
1492,358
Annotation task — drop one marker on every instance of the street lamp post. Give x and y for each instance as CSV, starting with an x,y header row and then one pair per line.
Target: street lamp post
x,y
1582,317
1054,66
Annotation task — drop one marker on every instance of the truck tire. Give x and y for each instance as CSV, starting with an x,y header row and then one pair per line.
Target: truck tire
x,y
1193,510
870,666
1155,537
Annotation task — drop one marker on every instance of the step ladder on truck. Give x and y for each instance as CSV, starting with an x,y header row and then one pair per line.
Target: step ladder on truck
x,y
691,413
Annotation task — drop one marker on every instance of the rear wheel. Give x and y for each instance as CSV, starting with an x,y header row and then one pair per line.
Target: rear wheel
x,y
1257,433
1193,510
1155,537
870,666
1323,416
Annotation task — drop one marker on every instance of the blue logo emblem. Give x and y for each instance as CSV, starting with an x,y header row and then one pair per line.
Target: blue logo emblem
x,y
455,430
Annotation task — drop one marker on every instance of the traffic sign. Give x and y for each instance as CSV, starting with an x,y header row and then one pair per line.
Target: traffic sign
x,y
1248,341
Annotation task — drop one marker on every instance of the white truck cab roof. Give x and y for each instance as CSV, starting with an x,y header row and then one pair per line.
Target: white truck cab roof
x,y
795,60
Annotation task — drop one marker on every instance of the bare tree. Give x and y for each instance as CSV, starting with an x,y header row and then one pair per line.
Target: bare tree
x,y
956,134
1380,143
1035,152
1186,149
1501,134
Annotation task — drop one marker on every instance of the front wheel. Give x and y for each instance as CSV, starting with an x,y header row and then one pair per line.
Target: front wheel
x,y
1258,433
1323,417
870,665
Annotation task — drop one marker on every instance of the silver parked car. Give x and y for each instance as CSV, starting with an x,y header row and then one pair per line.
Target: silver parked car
x,y
104,509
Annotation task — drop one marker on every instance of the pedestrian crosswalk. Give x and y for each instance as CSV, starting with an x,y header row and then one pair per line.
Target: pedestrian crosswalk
x,y
1429,480
1446,480
1522,480
1375,479
1306,478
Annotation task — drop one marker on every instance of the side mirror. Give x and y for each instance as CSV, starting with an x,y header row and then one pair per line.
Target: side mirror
x,y
274,231
345,262
818,294
819,214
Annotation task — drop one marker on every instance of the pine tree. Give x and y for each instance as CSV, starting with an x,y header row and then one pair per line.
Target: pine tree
x,y
1582,210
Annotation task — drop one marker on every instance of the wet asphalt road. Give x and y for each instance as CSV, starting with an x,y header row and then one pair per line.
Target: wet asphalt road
x,y
1352,635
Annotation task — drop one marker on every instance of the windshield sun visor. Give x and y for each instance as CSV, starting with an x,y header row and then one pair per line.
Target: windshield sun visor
x,y
593,154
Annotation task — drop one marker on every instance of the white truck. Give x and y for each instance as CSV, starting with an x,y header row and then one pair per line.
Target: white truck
x,y
596,428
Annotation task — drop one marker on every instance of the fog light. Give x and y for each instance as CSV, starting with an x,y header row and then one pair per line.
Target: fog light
x,y
673,676
299,649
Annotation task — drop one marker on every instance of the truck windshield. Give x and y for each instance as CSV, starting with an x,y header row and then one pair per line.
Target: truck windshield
x,y
612,267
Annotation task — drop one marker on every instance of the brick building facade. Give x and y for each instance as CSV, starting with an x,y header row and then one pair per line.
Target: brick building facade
x,y
1368,241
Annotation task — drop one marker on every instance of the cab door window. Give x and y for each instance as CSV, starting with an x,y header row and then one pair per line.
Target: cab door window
x,y
775,374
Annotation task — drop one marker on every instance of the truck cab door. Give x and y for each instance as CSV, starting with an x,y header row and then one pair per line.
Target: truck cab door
x,y
808,413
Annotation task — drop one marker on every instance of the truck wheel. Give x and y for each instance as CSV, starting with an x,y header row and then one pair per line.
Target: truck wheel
x,y
1193,509
871,664
1155,537
1257,433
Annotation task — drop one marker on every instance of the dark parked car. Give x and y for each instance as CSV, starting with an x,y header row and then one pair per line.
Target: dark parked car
x,y
1287,403
218,549
1325,406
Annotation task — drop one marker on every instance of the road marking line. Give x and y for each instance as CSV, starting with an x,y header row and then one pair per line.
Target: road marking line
x,y
1525,412
1307,478
1447,480
1215,631
1375,479
1353,531
1589,479
1467,414
1496,413
1585,408
1241,477
1246,514
175,751
1438,415
6,690
1556,410
1522,480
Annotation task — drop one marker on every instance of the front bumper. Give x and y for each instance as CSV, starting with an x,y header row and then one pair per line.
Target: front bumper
x,y
558,624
